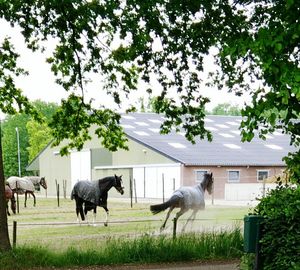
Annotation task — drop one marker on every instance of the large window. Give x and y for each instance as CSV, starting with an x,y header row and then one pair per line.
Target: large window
x,y
262,174
233,176
200,175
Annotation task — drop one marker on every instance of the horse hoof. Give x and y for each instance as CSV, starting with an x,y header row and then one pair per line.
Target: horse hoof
x,y
105,224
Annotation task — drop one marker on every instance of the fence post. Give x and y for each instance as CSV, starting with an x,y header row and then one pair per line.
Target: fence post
x,y
65,188
163,187
130,190
174,227
14,233
134,184
213,192
57,192
173,184
18,207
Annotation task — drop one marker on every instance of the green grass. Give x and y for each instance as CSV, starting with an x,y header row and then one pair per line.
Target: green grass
x,y
140,250
125,222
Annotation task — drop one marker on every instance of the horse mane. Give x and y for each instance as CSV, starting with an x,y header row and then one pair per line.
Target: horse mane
x,y
207,178
106,183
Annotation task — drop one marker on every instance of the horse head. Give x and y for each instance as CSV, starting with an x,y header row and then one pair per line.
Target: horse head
x,y
208,182
118,184
43,182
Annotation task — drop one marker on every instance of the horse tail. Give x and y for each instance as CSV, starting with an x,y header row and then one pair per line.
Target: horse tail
x,y
173,201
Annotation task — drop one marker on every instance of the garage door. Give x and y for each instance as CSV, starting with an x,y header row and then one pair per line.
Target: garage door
x,y
156,181
80,166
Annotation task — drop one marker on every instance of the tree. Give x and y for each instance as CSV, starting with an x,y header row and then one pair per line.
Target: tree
x,y
33,136
226,109
255,46
11,101
40,134
39,137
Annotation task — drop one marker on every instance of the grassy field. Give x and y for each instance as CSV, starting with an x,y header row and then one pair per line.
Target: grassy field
x,y
50,226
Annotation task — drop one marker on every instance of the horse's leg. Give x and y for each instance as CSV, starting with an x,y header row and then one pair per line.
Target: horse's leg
x,y
34,200
107,214
191,218
94,215
180,213
167,217
7,211
79,208
25,199
13,204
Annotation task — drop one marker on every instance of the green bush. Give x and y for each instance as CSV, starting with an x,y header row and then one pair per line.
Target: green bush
x,y
281,228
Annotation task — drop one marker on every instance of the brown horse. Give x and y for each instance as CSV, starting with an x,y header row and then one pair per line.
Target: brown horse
x,y
9,195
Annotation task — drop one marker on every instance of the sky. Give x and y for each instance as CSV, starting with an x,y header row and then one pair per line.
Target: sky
x,y
40,84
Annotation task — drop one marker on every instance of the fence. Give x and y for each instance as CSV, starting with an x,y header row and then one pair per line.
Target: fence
x,y
174,228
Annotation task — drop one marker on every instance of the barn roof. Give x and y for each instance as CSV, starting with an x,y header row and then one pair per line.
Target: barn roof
x,y
226,149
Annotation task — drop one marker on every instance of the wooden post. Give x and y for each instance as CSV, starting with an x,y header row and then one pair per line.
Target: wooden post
x,y
174,227
144,182
130,190
173,184
65,188
163,187
14,233
57,187
134,184
18,207
213,192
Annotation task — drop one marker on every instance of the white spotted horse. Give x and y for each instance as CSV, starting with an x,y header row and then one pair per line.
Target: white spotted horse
x,y
91,194
185,198
26,185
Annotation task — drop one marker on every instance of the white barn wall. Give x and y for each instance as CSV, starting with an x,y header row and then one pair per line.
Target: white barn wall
x,y
55,169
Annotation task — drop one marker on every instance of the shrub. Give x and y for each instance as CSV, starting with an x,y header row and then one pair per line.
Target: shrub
x,y
281,230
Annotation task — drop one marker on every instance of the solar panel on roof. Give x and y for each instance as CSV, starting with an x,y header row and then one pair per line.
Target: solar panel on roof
x,y
223,150
141,133
226,135
274,146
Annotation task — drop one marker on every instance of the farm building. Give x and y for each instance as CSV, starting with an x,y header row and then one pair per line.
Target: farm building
x,y
157,164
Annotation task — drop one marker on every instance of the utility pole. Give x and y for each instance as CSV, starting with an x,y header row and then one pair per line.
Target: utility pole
x,y
19,160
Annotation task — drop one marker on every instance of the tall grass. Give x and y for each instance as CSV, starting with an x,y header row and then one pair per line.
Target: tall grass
x,y
145,249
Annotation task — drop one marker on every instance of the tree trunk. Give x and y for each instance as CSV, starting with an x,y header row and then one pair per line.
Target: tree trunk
x,y
4,236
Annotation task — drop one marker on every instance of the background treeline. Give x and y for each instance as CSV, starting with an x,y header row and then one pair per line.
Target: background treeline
x,y
33,137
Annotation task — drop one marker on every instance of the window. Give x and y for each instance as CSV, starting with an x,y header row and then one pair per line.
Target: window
x,y
261,175
233,176
200,175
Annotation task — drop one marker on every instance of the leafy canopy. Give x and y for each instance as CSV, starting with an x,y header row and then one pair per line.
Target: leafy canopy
x,y
255,45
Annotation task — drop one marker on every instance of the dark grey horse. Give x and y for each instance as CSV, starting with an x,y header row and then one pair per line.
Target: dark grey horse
x,y
94,193
186,198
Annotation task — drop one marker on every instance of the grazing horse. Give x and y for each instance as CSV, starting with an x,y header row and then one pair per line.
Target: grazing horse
x,y
25,185
9,195
94,193
186,198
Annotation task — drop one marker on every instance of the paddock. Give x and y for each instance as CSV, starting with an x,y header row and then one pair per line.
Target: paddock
x,y
56,227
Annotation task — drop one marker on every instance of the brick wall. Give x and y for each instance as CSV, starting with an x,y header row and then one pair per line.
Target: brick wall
x,y
220,173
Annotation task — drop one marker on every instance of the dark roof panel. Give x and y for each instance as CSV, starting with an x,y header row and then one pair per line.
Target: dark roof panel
x,y
225,149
